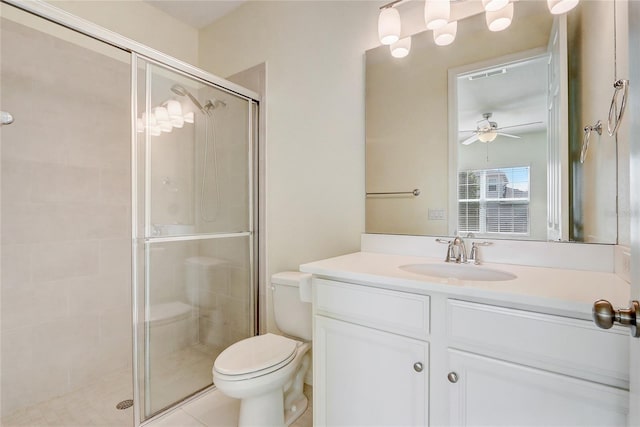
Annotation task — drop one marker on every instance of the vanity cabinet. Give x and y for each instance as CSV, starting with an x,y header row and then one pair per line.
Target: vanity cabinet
x,y
384,357
512,367
371,357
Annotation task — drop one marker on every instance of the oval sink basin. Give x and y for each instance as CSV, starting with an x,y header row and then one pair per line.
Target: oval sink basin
x,y
459,271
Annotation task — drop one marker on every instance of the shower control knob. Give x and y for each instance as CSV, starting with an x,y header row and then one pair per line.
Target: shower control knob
x,y
452,377
418,367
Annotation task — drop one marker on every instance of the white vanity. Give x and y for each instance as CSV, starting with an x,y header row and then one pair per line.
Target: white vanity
x,y
394,347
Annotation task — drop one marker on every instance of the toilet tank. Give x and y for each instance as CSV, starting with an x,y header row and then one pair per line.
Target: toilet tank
x,y
291,293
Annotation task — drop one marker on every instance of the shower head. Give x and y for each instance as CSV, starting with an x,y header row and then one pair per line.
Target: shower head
x,y
182,91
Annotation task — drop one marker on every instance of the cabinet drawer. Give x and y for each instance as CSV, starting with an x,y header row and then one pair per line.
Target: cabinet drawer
x,y
398,312
570,346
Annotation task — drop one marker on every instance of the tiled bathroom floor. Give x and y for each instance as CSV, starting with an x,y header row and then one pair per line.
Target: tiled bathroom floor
x,y
176,375
214,409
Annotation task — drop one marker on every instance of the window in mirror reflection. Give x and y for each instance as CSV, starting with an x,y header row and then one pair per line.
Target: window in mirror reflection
x,y
494,201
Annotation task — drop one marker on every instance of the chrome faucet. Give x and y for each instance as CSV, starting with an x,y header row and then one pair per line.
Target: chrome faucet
x,y
457,251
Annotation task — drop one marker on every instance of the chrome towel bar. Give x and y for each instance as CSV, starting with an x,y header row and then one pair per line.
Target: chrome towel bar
x,y
415,193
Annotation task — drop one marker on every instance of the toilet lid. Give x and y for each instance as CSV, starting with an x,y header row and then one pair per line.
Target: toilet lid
x,y
255,354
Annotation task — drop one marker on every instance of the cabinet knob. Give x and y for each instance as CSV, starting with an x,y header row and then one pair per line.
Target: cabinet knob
x,y
418,367
452,377
605,316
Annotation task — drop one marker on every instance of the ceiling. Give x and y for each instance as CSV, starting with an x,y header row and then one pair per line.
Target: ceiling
x,y
199,13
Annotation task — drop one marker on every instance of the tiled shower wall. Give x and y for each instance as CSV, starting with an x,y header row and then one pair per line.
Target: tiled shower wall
x,y
66,269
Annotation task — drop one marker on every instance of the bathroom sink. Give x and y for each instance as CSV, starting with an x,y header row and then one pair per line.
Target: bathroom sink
x,y
459,271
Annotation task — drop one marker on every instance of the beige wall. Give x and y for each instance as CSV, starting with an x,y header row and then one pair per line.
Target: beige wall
x,y
141,22
315,117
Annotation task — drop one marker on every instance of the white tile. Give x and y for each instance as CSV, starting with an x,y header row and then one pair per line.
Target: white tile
x,y
214,409
178,418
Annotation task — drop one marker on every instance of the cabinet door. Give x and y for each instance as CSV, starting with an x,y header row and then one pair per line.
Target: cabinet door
x,y
497,393
365,377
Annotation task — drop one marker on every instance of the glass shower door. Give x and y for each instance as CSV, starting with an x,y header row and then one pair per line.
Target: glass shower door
x,y
194,234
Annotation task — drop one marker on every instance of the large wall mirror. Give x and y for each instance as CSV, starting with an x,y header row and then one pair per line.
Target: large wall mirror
x,y
489,129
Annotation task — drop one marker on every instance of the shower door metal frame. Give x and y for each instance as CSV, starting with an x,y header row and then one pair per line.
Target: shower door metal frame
x,y
137,50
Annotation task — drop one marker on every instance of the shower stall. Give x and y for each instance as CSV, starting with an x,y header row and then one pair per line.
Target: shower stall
x,y
128,227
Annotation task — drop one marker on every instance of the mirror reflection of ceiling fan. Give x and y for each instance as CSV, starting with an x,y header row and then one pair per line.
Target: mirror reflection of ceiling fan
x,y
487,131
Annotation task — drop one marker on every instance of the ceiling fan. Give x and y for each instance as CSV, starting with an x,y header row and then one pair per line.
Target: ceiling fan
x,y
487,131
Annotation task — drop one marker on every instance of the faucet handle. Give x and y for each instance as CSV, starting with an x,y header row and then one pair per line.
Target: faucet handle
x,y
474,255
445,241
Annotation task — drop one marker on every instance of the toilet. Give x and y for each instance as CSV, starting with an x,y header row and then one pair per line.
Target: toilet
x,y
267,372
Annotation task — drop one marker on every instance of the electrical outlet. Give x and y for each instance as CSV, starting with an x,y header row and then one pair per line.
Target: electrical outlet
x,y
436,214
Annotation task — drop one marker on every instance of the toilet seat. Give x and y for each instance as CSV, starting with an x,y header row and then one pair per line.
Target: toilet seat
x,y
255,356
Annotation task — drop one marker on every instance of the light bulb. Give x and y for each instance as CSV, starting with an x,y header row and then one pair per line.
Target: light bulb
x,y
189,117
488,136
389,25
173,108
436,13
494,5
446,35
500,19
558,7
178,122
165,127
161,113
401,48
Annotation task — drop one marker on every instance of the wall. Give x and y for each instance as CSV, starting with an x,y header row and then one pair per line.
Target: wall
x,y
66,248
141,22
315,117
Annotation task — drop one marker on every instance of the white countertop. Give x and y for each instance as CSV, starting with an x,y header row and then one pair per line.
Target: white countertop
x,y
547,290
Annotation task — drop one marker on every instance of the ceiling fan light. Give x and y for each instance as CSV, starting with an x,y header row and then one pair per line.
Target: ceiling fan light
x,y
501,19
446,35
389,26
558,7
436,13
401,48
493,5
487,136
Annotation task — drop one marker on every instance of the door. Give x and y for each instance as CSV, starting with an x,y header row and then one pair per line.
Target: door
x,y
193,230
368,377
634,117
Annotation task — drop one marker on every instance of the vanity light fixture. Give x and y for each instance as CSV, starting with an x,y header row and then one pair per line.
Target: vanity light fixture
x,y
401,48
498,14
437,13
389,25
558,7
445,35
500,19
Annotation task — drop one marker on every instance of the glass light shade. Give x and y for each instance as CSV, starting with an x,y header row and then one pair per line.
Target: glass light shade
x,y
139,125
189,117
173,108
149,119
389,25
558,7
155,130
446,35
161,114
494,5
488,136
436,13
401,48
178,122
165,127
501,19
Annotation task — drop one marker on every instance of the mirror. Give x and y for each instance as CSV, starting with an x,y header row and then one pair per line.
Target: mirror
x,y
427,115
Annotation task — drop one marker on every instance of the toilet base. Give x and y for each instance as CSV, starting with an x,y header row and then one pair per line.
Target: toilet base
x,y
262,410
295,411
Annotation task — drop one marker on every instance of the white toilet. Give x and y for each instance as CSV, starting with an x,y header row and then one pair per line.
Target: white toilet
x,y
267,371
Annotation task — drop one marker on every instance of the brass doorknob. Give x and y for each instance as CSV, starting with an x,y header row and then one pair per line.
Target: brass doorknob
x,y
605,316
